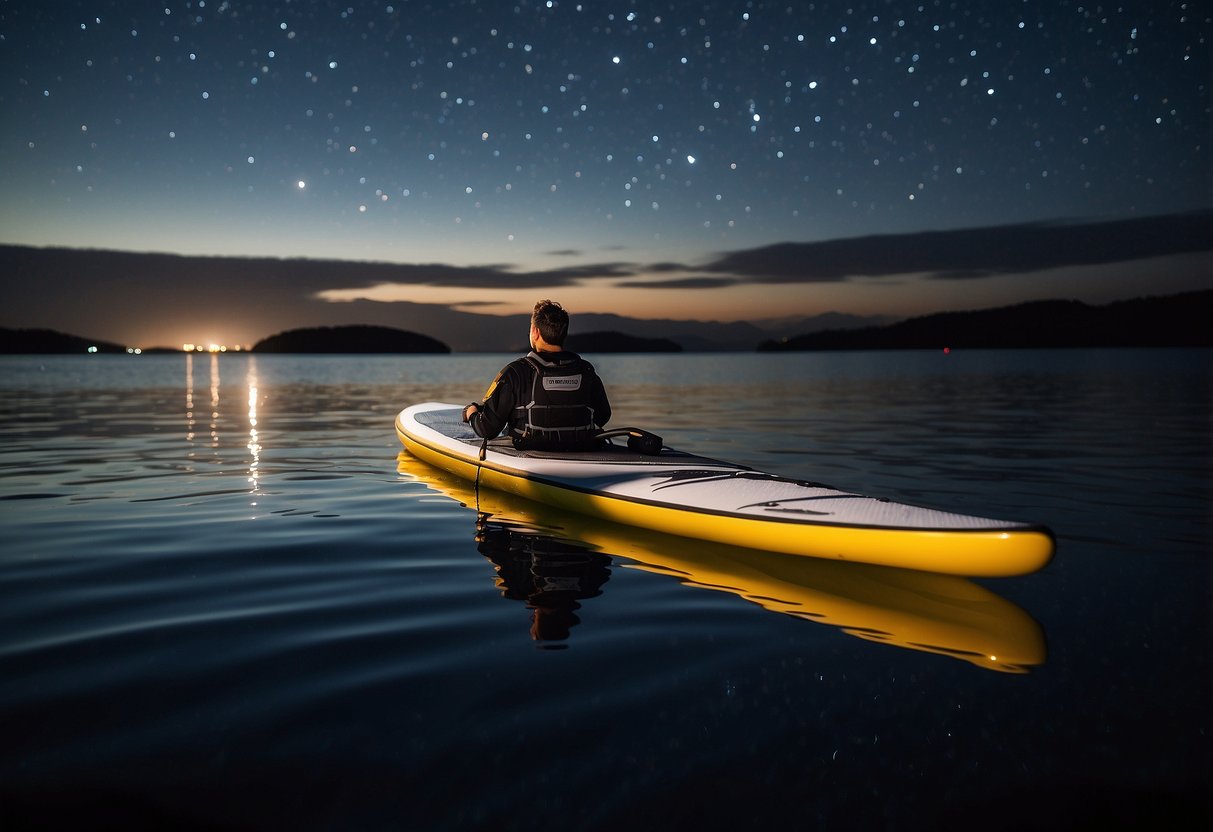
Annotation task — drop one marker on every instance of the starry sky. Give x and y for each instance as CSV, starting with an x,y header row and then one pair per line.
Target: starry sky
x,y
626,156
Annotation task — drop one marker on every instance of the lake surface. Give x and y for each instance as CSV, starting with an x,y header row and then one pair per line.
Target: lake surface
x,y
229,601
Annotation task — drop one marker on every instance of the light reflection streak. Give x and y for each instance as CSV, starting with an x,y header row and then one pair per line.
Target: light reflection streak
x,y
189,398
214,400
254,441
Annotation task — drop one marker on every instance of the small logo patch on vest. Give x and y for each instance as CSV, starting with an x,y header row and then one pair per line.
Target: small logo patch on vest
x,y
562,382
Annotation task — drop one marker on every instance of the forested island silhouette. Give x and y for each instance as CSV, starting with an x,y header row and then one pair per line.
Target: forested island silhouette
x,y
350,340
1183,320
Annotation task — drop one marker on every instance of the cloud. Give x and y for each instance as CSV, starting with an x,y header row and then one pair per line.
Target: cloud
x,y
494,276
575,274
402,278
665,267
107,293
476,304
576,252
971,253
699,282
964,254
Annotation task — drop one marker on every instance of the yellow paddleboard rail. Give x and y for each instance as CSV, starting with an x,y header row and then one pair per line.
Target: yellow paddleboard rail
x,y
973,553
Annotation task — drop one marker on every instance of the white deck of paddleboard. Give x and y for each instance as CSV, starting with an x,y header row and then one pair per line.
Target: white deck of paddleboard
x,y
683,481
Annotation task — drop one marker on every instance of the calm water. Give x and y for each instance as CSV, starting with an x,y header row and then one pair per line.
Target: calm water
x,y
229,601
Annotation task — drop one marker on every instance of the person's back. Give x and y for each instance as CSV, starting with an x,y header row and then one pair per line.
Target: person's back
x,y
550,399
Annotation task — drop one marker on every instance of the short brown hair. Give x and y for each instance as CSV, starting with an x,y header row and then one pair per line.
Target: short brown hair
x,y
552,322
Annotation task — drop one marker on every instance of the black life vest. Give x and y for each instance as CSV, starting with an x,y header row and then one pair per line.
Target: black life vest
x,y
558,415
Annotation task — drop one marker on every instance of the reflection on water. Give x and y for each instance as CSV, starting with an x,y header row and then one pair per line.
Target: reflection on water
x,y
189,398
254,441
551,576
214,423
253,445
191,419
540,550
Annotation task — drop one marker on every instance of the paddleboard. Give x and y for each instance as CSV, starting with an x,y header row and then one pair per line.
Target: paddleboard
x,y
698,497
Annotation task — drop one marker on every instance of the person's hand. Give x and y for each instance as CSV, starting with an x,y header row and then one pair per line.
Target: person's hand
x,y
469,410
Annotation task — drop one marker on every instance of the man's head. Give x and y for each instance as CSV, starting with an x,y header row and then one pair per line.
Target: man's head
x,y
551,322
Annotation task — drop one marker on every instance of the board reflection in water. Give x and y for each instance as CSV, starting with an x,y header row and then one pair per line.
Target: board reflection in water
x,y
553,560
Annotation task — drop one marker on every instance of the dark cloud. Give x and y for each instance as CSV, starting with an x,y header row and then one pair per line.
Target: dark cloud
x,y
954,255
77,290
576,252
700,282
92,291
477,304
571,274
972,253
359,276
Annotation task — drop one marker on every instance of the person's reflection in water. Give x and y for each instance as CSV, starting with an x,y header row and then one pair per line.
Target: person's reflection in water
x,y
550,575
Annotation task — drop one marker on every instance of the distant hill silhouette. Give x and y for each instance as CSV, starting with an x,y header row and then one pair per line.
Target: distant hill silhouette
x,y
1184,320
591,342
350,339
49,342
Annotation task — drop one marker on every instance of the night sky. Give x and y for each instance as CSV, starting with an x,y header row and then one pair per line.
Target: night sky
x,y
630,150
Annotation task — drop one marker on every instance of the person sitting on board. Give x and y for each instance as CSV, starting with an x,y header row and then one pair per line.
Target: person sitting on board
x,y
550,399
